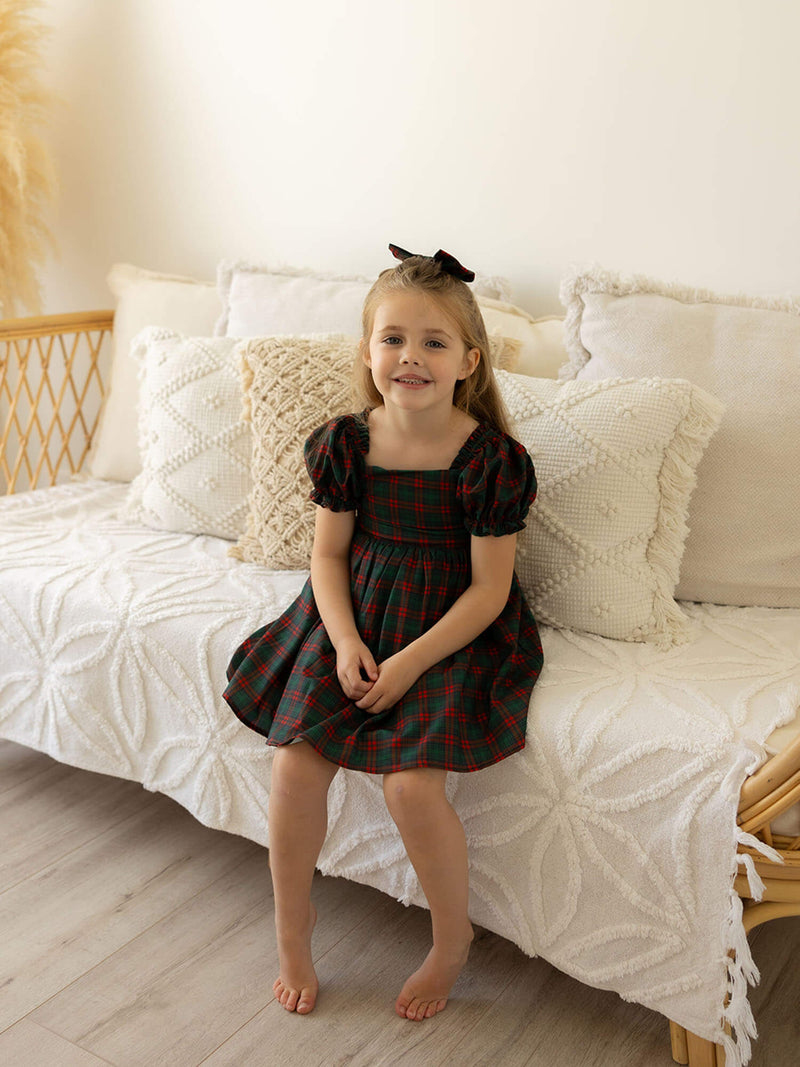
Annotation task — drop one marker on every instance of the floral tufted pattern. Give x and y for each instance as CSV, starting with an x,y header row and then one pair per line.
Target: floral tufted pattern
x,y
606,846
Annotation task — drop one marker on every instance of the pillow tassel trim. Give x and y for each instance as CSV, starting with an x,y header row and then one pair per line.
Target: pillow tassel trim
x,y
677,480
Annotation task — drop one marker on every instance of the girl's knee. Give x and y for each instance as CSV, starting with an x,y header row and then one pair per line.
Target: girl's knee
x,y
413,790
300,769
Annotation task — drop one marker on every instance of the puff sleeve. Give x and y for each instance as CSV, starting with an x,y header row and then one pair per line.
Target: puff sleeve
x,y
334,460
497,487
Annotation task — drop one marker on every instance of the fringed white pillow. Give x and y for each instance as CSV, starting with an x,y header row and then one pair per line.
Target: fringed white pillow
x,y
744,519
194,444
615,465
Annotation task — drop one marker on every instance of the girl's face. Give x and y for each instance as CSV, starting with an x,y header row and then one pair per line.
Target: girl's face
x,y
416,354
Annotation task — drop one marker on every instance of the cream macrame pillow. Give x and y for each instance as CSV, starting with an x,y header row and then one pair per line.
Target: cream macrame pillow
x,y
615,464
292,385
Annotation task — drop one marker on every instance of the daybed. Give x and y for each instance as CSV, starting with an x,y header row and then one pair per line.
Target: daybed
x,y
657,791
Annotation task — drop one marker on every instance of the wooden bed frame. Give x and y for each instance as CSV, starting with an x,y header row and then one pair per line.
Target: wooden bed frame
x,y
52,376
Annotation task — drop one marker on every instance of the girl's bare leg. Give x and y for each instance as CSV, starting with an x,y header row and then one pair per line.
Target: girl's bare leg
x,y
434,839
298,822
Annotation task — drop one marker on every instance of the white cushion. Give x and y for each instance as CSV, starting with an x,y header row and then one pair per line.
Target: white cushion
x,y
543,351
744,540
615,464
195,446
259,300
143,298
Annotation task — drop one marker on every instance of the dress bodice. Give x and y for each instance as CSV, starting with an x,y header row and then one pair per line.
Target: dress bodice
x,y
413,507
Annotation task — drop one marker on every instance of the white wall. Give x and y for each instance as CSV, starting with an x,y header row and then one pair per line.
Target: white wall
x,y
521,135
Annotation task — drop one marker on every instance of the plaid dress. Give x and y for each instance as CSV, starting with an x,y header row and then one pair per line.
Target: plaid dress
x,y
409,561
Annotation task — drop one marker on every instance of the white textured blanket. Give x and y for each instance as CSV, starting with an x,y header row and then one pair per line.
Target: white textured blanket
x,y
607,846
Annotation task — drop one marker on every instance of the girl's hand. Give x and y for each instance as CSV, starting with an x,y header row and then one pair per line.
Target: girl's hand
x,y
396,675
353,657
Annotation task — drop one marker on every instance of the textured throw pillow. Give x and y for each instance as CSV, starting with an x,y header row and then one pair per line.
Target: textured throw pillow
x,y
292,385
744,519
615,464
194,444
258,300
143,298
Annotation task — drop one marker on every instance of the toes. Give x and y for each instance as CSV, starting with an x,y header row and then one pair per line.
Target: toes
x,y
305,1004
412,1011
300,1000
416,1009
290,1002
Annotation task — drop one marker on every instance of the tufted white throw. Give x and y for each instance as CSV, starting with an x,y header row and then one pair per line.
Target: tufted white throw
x,y
606,846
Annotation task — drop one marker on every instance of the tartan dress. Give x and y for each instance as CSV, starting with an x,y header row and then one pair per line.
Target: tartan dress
x,y
409,561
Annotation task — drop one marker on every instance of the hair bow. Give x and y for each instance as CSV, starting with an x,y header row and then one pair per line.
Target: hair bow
x,y
448,263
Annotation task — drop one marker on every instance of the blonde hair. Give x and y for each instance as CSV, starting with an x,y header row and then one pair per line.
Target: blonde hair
x,y
477,395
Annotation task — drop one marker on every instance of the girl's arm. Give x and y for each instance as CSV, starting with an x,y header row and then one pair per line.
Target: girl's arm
x,y
478,606
330,582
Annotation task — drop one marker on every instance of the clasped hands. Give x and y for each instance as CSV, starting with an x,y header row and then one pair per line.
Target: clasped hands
x,y
384,684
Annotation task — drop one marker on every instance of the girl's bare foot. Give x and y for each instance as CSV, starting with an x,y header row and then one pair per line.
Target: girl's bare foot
x,y
426,991
296,986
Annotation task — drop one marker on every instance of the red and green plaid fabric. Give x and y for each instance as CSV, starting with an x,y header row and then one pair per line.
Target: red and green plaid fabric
x,y
410,560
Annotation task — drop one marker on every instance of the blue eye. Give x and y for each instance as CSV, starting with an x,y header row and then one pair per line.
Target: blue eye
x,y
392,340
436,344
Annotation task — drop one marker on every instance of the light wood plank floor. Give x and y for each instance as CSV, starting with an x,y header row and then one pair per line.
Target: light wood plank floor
x,y
131,935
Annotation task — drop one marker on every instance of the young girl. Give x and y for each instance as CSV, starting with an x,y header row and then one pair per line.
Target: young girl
x,y
411,651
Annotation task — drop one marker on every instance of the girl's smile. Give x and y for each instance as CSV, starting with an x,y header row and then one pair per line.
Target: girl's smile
x,y
413,381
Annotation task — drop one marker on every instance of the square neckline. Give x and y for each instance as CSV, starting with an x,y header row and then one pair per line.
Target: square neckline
x,y
362,424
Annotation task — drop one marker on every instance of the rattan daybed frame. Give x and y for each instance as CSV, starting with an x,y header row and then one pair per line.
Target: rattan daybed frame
x,y
52,371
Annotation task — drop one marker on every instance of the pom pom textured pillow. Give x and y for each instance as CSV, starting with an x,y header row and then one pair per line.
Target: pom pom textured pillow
x,y
744,519
292,385
615,463
195,446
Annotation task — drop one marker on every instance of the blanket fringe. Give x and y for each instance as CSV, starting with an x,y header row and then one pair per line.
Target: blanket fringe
x,y
742,972
754,881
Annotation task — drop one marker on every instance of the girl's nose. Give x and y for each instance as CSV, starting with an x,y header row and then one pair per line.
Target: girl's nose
x,y
409,355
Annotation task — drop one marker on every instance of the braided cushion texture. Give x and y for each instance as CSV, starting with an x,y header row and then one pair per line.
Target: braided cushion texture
x,y
194,444
615,464
292,385
743,546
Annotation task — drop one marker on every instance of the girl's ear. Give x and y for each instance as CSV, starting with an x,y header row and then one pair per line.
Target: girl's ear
x,y
471,360
363,351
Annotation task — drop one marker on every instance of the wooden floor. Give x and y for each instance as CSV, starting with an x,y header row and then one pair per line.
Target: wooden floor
x,y
131,935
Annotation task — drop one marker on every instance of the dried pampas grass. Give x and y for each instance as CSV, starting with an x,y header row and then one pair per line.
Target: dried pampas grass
x,y
27,180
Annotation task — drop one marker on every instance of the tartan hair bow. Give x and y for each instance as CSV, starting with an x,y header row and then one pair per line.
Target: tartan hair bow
x,y
448,263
